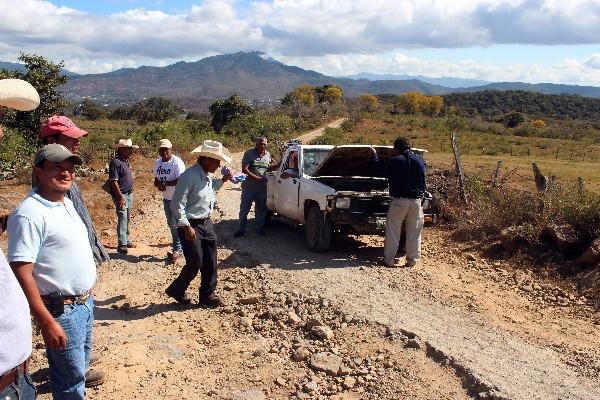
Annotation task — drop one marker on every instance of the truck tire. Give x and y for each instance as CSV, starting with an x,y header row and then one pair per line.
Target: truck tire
x,y
317,229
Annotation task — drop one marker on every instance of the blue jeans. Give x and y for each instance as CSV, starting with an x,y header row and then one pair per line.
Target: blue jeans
x,y
23,389
259,197
67,368
172,225
123,217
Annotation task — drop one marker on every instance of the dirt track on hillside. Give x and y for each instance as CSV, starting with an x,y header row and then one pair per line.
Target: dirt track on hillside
x,y
455,327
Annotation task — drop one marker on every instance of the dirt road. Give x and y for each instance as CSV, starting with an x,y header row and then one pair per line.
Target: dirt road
x,y
303,325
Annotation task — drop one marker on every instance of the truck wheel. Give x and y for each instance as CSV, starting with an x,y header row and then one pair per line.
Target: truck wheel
x,y
317,229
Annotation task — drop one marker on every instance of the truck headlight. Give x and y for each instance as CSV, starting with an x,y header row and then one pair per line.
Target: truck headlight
x,y
425,204
342,202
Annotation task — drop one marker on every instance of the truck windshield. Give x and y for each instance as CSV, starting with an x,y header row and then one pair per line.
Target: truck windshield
x,y
312,159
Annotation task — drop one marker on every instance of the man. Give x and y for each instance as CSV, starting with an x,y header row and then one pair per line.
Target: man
x,y
255,164
15,324
50,254
121,183
406,178
192,204
61,130
167,169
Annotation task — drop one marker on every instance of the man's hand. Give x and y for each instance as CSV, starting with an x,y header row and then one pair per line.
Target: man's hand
x,y
190,233
122,203
54,335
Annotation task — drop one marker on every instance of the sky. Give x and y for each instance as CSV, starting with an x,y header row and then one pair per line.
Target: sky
x,y
534,41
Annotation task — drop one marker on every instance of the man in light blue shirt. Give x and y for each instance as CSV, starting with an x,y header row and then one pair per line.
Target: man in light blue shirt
x,y
50,254
192,205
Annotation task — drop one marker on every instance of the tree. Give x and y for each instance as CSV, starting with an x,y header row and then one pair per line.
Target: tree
x,y
368,102
90,110
301,96
46,77
224,111
409,102
513,119
155,109
330,94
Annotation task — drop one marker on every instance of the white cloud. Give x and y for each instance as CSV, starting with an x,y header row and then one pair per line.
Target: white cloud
x,y
327,34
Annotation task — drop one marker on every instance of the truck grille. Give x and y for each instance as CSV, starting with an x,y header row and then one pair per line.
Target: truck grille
x,y
371,205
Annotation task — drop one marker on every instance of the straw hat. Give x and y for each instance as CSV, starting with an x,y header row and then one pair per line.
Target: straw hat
x,y
18,94
166,143
125,143
212,149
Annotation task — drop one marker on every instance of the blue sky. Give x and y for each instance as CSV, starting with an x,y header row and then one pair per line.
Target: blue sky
x,y
495,40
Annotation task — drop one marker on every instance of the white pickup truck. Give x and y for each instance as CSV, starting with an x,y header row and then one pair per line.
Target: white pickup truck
x,y
332,188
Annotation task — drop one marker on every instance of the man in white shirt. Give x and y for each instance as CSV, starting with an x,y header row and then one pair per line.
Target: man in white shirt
x,y
15,324
167,169
49,252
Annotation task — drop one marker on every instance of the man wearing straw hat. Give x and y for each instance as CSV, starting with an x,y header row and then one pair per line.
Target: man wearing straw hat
x,y
15,324
192,204
121,183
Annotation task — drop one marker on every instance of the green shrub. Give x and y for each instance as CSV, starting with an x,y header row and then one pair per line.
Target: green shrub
x,y
16,153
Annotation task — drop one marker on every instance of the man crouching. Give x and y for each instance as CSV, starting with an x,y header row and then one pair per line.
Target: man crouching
x,y
49,252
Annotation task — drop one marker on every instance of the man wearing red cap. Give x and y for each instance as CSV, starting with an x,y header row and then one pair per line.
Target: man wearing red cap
x,y
61,130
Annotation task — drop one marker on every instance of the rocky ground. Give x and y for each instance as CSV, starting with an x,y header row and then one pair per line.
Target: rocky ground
x,y
330,326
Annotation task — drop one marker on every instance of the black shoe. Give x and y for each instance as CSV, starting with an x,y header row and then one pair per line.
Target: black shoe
x,y
211,301
180,299
238,234
131,245
122,249
261,232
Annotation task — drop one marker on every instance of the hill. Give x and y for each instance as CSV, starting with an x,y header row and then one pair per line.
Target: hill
x,y
446,81
11,66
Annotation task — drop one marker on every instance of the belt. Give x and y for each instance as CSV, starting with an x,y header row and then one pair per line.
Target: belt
x,y
79,299
11,376
198,220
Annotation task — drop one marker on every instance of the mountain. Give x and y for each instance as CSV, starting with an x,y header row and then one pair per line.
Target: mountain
x,y
250,75
544,88
449,82
195,85
11,66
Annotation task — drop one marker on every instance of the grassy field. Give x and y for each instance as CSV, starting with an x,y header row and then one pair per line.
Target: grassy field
x,y
480,152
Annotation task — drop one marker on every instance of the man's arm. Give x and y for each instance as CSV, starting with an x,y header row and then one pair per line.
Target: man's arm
x,y
160,185
113,174
54,335
246,170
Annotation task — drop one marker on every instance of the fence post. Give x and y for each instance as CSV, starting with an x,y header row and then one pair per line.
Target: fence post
x,y
541,181
459,170
580,185
495,180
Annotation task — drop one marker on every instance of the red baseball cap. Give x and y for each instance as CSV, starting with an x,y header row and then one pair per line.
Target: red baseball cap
x,y
63,125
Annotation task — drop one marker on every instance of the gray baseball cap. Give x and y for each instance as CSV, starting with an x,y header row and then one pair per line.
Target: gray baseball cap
x,y
56,153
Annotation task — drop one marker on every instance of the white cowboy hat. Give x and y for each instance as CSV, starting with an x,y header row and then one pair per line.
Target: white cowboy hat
x,y
212,149
18,94
125,143
166,143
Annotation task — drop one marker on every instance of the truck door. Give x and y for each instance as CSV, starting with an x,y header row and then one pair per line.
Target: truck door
x,y
287,185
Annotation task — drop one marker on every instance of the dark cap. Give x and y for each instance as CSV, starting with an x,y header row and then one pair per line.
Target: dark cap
x,y
56,153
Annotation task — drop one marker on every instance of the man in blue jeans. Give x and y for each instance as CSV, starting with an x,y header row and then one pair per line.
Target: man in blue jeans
x,y
167,169
49,252
121,183
255,164
15,323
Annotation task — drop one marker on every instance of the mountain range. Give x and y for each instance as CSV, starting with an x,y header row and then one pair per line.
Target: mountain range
x,y
254,77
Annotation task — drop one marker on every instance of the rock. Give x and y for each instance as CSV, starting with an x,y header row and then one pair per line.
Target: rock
x,y
591,255
293,318
348,383
245,321
312,322
311,387
248,394
590,279
301,395
526,288
322,332
301,354
229,286
250,299
513,238
326,362
563,236
344,370
280,382
471,257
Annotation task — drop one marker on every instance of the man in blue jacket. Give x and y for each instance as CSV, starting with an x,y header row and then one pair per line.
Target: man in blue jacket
x,y
406,177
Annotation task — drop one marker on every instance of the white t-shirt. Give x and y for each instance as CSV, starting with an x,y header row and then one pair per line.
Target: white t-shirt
x,y
53,237
15,324
168,171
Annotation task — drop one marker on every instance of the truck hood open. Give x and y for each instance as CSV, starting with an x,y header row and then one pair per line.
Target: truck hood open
x,y
352,160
